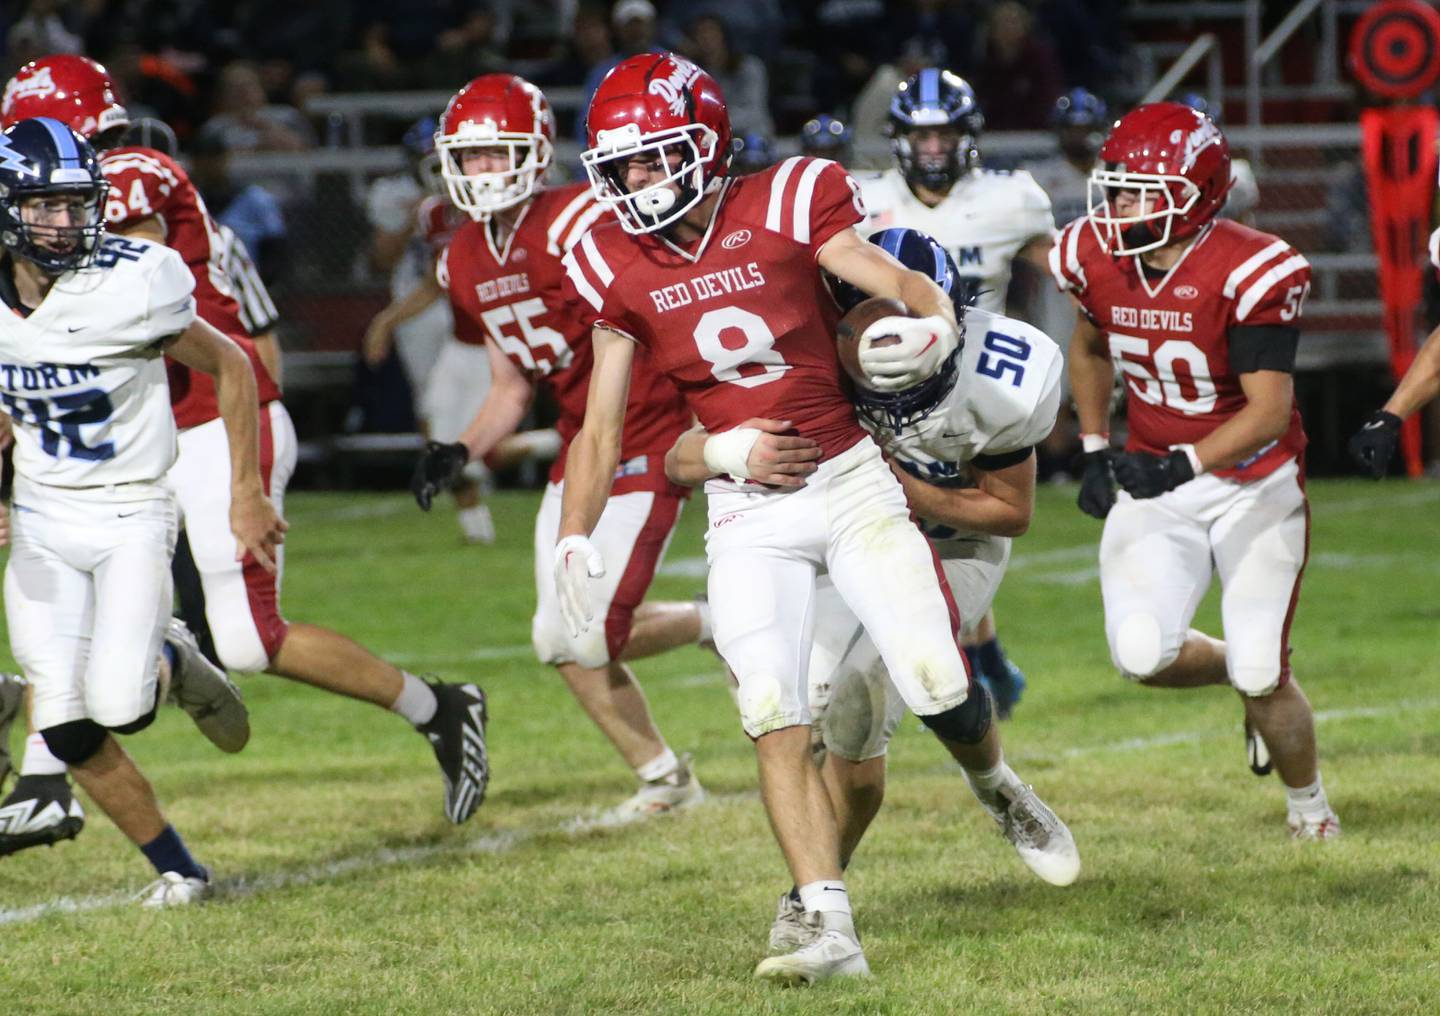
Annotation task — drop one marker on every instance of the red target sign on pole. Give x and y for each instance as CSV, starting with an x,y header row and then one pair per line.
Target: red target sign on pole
x,y
1395,48
1395,54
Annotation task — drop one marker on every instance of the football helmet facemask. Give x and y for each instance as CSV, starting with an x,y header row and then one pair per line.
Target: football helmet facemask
x,y
665,110
500,113
940,101
49,172
1175,162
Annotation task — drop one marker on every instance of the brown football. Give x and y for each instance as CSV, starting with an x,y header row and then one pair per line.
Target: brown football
x,y
853,325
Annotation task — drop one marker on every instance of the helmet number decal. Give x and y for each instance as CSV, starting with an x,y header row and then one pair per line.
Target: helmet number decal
x,y
1165,386
751,361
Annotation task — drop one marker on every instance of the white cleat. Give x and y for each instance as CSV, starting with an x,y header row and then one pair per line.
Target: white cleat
x,y
675,793
1326,827
1043,841
832,954
205,693
794,926
477,525
173,889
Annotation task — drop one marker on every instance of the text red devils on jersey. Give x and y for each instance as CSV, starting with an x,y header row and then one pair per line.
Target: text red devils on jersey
x,y
513,298
744,325
1170,337
145,183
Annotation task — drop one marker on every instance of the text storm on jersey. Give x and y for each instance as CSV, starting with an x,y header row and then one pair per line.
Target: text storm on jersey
x,y
708,286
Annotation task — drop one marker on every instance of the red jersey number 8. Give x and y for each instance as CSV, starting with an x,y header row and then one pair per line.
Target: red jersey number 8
x,y
740,347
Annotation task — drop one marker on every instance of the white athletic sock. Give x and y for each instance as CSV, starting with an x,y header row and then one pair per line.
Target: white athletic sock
x,y
986,783
1309,802
416,701
38,760
662,765
829,899
707,630
476,524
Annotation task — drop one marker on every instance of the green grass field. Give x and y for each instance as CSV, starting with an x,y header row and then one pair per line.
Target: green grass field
x,y
345,891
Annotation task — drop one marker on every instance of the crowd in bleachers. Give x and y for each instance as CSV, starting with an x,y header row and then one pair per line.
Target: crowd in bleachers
x,y
246,71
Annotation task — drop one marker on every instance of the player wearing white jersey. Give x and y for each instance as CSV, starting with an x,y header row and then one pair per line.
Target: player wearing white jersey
x,y
82,377
984,219
962,444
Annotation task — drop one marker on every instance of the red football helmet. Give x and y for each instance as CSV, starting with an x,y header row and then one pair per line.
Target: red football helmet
x,y
75,90
662,106
1176,162
501,113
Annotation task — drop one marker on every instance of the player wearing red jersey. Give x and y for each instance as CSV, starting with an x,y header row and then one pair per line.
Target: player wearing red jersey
x,y
503,272
1201,315
718,281
151,197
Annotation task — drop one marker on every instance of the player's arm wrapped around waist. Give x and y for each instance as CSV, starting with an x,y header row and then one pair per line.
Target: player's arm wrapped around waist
x,y
1001,501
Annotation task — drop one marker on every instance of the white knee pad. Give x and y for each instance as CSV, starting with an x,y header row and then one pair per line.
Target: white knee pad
x,y
553,644
1139,648
1255,679
238,645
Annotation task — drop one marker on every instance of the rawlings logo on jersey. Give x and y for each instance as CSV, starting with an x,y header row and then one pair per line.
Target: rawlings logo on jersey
x,y
739,238
673,88
1204,135
37,84
1186,292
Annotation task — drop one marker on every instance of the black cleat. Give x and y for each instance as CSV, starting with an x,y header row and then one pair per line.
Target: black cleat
x,y
40,811
12,701
1257,751
457,733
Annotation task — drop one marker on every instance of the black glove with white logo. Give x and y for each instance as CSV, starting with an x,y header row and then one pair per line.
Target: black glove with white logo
x,y
1374,444
1144,475
1097,487
437,470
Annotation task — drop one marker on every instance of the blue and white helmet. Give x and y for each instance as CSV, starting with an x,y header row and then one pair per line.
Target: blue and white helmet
x,y
1081,120
41,157
935,98
922,253
826,136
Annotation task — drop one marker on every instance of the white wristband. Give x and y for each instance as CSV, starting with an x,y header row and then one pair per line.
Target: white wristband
x,y
1189,450
1094,442
729,451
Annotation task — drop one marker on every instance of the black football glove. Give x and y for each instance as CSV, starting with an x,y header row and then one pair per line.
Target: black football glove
x,y
437,470
1145,475
1374,444
1097,488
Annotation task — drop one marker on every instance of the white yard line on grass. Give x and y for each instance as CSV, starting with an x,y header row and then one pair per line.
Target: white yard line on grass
x,y
580,825
243,886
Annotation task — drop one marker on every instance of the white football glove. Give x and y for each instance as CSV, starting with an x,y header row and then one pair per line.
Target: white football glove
x,y
924,344
577,561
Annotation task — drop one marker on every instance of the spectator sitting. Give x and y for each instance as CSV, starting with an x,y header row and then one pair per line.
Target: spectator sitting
x,y
248,209
38,31
587,47
1017,80
742,78
246,123
465,51
634,23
